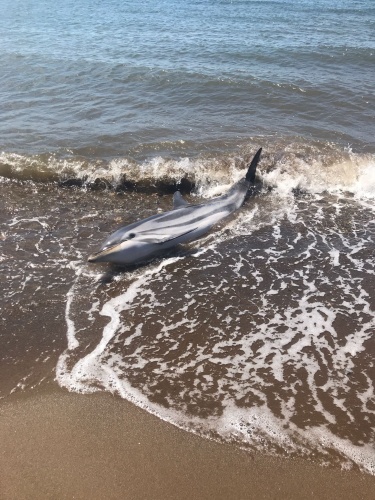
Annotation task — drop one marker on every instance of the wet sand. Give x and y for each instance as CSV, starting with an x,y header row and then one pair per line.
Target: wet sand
x,y
62,445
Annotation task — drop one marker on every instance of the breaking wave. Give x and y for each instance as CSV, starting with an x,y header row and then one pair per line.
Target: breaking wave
x,y
286,166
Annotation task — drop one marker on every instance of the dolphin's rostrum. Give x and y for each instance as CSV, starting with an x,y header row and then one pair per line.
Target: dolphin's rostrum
x,y
149,237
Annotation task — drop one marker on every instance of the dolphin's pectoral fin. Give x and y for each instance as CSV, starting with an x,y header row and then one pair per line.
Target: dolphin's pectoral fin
x,y
178,200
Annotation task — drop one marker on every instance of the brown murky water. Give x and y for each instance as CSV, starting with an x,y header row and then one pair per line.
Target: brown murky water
x,y
262,333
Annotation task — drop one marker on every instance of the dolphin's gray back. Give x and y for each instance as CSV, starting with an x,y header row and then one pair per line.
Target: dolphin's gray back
x,y
187,222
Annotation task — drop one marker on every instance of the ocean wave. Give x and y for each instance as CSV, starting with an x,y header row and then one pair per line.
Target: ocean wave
x,y
287,167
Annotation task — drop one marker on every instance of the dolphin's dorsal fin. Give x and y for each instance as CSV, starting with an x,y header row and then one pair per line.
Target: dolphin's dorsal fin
x,y
178,200
250,176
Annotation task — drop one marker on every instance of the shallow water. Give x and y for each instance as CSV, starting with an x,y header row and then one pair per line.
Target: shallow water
x,y
261,333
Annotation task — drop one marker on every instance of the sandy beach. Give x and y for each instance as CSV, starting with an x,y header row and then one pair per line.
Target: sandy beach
x,y
61,445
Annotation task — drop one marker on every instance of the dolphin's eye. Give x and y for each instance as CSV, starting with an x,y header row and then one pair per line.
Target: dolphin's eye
x,y
131,235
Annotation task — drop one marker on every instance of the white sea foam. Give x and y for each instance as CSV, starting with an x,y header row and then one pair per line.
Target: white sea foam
x,y
248,330
354,175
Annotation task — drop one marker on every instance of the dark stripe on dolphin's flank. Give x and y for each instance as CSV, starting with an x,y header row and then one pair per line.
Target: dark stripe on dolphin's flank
x,y
229,208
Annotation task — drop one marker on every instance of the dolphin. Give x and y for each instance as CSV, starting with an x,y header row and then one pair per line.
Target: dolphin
x,y
149,237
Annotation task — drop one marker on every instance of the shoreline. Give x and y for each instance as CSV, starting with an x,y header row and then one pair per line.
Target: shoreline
x,y
64,445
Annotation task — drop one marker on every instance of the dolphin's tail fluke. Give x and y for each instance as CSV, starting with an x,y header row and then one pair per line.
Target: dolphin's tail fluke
x,y
250,176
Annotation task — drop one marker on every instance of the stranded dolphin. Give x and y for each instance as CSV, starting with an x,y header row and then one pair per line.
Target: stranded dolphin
x,y
149,237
